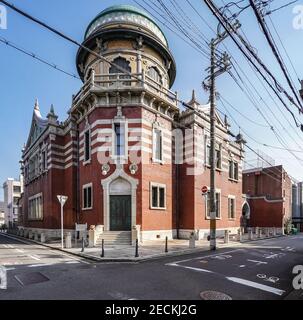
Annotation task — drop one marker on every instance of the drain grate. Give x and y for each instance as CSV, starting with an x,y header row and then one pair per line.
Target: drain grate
x,y
214,295
27,279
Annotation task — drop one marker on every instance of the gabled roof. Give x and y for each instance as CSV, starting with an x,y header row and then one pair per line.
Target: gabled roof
x,y
37,127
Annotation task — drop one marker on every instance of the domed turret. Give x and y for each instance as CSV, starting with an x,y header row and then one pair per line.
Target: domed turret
x,y
128,37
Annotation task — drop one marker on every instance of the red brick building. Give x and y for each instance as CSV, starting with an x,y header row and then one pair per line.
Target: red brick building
x,y
269,195
127,157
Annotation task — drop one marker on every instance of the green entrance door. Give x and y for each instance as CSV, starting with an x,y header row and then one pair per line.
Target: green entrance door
x,y
120,213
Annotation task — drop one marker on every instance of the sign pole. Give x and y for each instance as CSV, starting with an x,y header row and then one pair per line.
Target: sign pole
x,y
62,200
62,245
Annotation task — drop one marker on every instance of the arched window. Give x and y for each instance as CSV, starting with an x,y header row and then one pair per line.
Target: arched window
x,y
155,75
117,73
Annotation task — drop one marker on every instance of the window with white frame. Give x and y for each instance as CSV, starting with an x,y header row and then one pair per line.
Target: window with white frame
x,y
157,196
35,207
87,196
231,207
218,153
218,205
233,170
119,139
158,145
87,145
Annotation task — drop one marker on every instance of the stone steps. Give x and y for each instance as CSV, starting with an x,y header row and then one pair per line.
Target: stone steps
x,y
115,238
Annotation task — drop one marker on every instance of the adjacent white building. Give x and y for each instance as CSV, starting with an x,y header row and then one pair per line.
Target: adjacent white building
x,y
2,213
12,190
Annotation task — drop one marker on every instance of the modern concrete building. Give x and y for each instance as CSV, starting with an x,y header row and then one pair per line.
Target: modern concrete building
x,y
297,205
12,190
128,158
2,213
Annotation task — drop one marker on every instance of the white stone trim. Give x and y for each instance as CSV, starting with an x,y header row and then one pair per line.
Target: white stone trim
x,y
119,173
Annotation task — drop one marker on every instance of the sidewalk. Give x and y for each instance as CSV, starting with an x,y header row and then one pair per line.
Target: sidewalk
x,y
148,251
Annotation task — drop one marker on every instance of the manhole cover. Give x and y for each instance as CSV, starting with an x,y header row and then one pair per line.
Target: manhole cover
x,y
31,278
214,295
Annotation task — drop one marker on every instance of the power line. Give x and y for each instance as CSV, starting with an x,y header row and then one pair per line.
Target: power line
x,y
274,49
36,57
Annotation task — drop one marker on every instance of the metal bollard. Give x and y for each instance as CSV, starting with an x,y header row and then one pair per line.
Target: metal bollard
x,y
239,235
102,252
166,244
274,232
137,249
267,233
83,245
250,234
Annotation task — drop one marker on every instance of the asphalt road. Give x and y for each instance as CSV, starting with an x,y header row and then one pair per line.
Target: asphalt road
x,y
258,271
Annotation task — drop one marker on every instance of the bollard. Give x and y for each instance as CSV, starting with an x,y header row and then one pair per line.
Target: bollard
x,y
68,241
102,252
82,250
166,244
257,232
137,249
267,232
192,241
42,238
36,236
260,233
274,232
239,235
226,236
250,234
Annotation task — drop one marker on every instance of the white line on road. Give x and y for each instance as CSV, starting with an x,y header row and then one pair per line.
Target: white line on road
x,y
190,268
40,265
20,250
256,285
209,256
72,262
257,262
34,257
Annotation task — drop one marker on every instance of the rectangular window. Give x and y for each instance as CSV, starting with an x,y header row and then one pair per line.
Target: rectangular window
x,y
158,152
44,161
218,205
207,156
17,189
231,208
158,196
87,145
236,171
233,170
218,157
35,208
87,197
230,169
119,139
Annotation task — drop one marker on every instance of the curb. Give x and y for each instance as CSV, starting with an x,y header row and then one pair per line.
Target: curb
x,y
135,260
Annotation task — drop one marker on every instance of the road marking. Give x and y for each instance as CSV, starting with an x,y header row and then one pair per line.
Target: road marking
x,y
34,257
257,262
10,246
72,262
20,250
5,245
40,265
256,285
209,256
242,266
190,268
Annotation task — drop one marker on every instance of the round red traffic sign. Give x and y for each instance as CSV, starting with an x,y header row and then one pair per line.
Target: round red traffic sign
x,y
204,189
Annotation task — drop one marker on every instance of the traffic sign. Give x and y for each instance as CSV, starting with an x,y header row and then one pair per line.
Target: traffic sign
x,y
204,190
62,199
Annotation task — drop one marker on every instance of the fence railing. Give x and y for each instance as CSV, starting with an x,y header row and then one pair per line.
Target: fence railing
x,y
108,82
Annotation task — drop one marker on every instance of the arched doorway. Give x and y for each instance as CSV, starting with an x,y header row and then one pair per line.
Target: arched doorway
x,y
245,216
119,184
120,205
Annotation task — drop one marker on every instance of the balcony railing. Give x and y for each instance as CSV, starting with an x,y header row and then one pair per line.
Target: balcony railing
x,y
112,82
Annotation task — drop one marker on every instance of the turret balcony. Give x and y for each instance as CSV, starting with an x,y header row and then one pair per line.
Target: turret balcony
x,y
135,83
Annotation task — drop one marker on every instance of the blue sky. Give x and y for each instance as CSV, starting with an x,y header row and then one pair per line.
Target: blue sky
x,y
23,78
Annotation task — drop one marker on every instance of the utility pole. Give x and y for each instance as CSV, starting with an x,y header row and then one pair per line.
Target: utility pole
x,y
219,64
